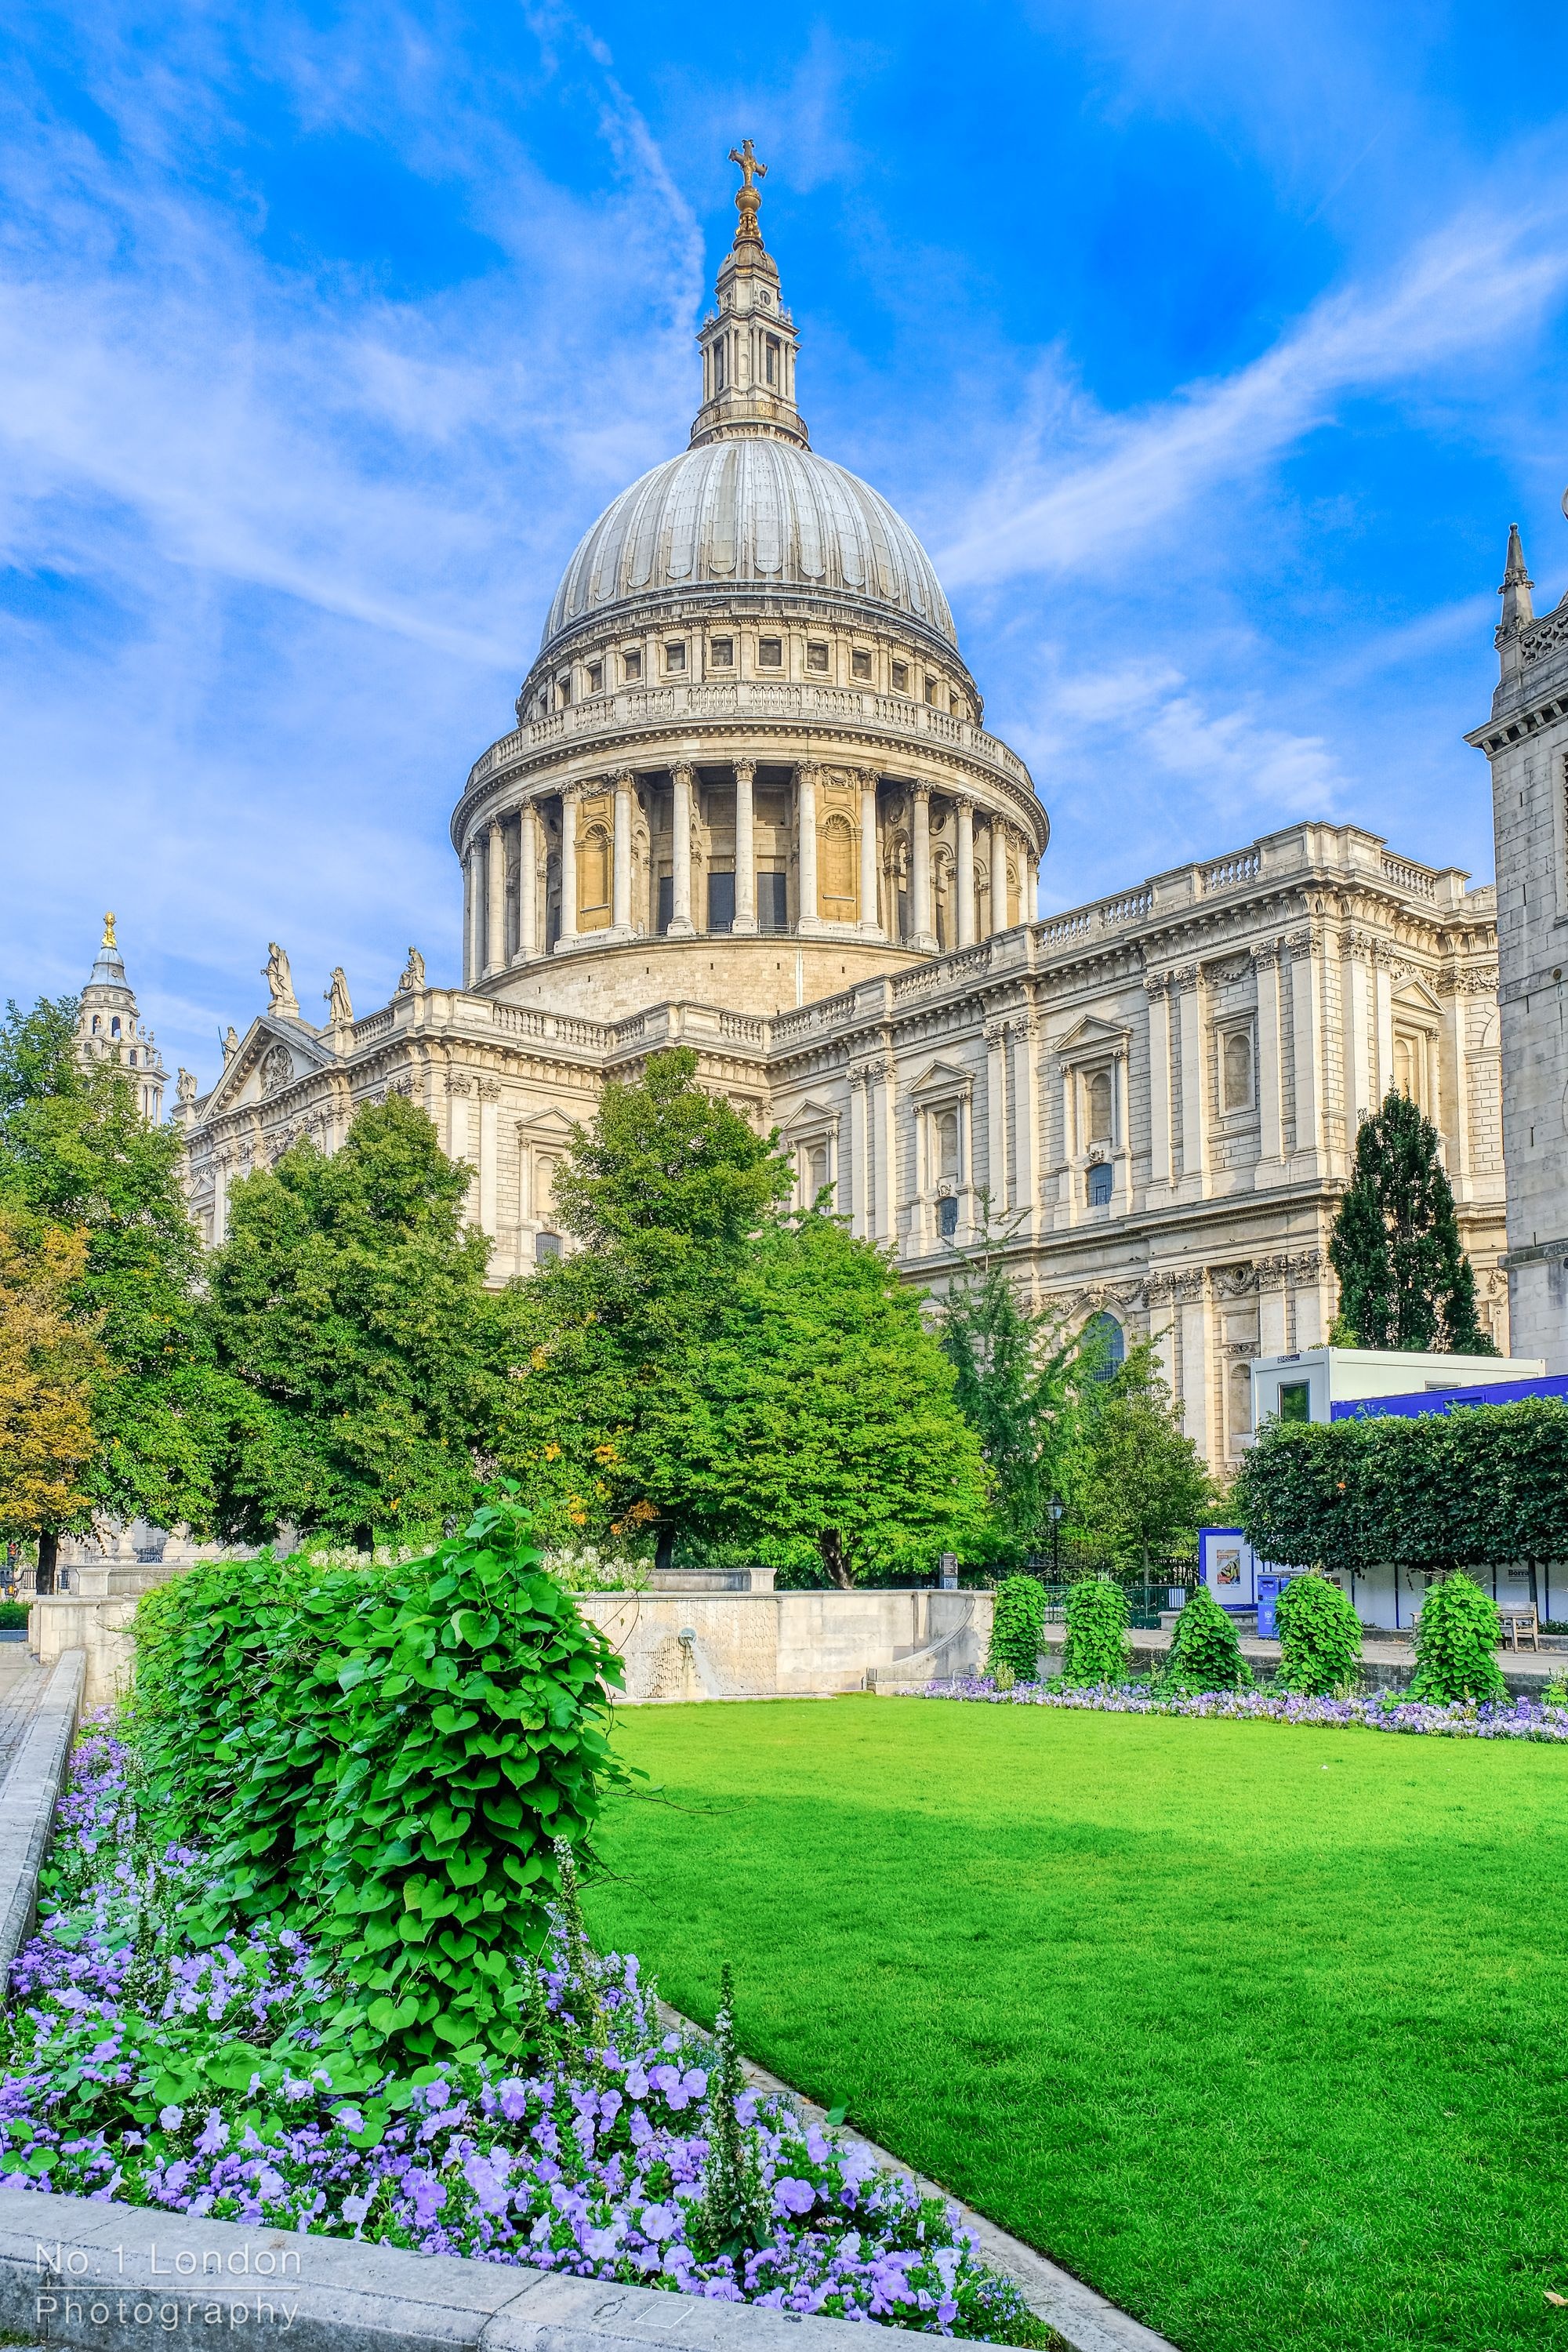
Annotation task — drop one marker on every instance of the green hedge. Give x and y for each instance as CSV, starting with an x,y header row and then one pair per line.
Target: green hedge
x,y
1019,1627
1485,1486
1095,1648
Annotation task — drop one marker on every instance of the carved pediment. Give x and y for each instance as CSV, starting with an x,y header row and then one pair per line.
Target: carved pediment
x,y
1092,1036
271,1057
1414,996
943,1078
810,1115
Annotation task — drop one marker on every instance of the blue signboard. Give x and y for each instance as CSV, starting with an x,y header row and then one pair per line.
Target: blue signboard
x,y
1414,1402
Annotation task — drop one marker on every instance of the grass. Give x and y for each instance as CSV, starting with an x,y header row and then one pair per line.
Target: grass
x,y
1259,2030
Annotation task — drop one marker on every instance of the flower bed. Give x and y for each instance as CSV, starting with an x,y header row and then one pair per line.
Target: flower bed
x,y
1522,1718
154,2064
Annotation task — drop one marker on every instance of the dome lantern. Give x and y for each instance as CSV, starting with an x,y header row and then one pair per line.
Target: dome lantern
x,y
749,343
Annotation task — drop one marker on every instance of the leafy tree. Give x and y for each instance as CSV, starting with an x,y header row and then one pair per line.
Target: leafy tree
x,y
1019,1383
1147,1487
1095,1649
51,1366
1017,1627
1457,1635
75,1151
712,1370
1319,1639
1404,1281
1204,1654
349,1304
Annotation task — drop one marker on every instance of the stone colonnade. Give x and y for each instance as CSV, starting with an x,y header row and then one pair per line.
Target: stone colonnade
x,y
509,853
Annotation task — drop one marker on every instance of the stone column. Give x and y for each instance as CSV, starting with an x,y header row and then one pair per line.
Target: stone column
x,y
527,882
861,1198
495,899
993,838
1271,1102
680,924
1453,1118
1194,1086
966,874
473,958
568,937
1000,912
489,1116
1383,1030
870,928
1307,1041
1156,988
1025,1095
923,936
996,1113
1356,985
621,904
887,1151
807,915
1191,1289
745,849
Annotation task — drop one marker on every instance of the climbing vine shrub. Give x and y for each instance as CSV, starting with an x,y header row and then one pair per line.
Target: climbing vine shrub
x,y
1204,1654
395,1758
1096,1649
1457,1636
1017,1627
1319,1639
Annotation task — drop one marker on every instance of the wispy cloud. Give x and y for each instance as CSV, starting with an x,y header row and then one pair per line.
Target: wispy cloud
x,y
1484,278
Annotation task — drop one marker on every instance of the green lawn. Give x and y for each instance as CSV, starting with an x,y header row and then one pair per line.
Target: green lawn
x,y
1261,2030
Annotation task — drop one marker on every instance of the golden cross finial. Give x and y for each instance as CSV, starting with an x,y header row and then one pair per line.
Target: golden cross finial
x,y
745,156
748,198
109,938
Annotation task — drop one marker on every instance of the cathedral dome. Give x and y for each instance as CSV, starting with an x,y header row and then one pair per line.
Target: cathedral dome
x,y
751,513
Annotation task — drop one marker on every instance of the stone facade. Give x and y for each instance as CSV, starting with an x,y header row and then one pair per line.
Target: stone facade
x,y
750,805
1526,741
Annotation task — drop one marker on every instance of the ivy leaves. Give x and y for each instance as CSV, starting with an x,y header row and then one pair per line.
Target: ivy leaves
x,y
390,1758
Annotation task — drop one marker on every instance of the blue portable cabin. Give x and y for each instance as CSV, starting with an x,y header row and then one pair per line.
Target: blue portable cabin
x,y
1415,1401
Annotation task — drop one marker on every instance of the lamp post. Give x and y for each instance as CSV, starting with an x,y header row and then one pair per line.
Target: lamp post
x,y
1057,1507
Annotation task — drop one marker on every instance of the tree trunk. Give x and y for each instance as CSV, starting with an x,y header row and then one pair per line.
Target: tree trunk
x,y
48,1557
664,1553
834,1562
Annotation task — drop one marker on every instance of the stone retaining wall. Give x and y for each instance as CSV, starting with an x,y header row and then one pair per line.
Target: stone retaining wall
x,y
706,1644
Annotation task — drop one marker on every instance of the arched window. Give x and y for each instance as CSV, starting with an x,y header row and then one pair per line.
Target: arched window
x,y
837,870
594,868
97,1024
1104,1338
1099,1185
1238,1070
946,1127
1240,1402
114,1027
1100,1107
545,1246
814,1173
947,1217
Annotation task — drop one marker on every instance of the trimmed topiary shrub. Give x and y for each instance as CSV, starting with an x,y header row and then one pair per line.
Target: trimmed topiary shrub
x,y
1456,1636
1319,1639
1018,1628
1096,1649
1206,1655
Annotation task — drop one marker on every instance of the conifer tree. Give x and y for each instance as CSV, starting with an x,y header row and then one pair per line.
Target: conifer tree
x,y
1404,1280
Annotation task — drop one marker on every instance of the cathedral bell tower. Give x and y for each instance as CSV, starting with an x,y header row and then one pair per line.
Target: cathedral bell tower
x,y
749,345
109,1028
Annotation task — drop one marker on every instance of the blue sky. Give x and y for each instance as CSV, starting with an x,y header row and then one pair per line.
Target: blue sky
x,y
1210,349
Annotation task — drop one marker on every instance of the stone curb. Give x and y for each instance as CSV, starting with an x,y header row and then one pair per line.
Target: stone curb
x,y
28,1798
74,2271
1080,2316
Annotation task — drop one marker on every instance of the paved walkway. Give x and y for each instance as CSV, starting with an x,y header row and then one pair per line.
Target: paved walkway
x,y
22,1681
1526,1672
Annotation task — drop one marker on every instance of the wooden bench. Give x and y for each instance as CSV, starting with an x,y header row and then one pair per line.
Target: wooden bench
x,y
1516,1621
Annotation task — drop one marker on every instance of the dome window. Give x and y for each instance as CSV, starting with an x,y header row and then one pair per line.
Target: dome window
x,y
934,688
595,677
721,652
631,662
674,658
773,368
97,1025
816,657
860,662
769,653
901,678
114,1027
718,367
564,689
